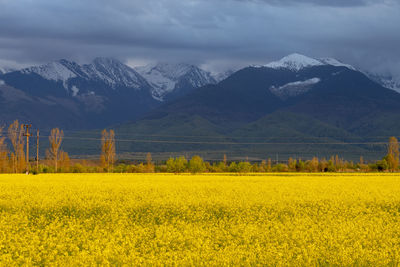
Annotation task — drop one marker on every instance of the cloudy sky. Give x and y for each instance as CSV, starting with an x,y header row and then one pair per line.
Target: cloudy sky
x,y
216,34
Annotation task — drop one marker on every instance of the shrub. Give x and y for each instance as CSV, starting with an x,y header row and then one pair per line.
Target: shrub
x,y
77,168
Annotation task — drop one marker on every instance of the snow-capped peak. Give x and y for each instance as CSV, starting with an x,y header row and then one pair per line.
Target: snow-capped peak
x,y
56,71
294,62
160,79
107,70
165,77
113,72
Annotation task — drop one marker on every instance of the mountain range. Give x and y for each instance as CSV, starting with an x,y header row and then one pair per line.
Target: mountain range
x,y
297,100
104,92
291,106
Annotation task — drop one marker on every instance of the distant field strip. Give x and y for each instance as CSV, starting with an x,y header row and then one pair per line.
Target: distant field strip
x,y
156,219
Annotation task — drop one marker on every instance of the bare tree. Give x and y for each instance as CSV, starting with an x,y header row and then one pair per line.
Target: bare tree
x,y
393,154
149,163
55,138
16,136
64,161
3,153
107,149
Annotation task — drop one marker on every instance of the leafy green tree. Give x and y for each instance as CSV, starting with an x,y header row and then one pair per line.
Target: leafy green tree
x,y
176,165
280,167
196,165
300,165
255,168
170,165
233,167
244,167
219,167
382,165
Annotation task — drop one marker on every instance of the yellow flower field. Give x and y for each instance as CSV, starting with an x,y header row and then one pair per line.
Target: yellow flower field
x,y
147,219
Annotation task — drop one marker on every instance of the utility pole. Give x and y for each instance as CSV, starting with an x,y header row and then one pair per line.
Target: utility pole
x,y
27,134
37,151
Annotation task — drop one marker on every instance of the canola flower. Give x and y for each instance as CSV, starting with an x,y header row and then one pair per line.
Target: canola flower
x,y
165,219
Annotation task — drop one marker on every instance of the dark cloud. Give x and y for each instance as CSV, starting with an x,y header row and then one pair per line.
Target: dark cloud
x,y
209,32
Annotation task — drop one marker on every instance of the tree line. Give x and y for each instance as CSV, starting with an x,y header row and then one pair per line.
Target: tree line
x,y
13,159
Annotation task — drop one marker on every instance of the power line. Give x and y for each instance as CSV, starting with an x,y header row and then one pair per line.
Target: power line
x,y
229,143
232,137
228,137
222,143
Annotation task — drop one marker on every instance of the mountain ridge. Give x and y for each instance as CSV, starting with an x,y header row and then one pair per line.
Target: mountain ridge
x,y
104,92
333,103
166,78
296,99
297,62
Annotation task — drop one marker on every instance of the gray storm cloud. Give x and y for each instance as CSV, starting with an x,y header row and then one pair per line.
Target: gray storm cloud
x,y
209,32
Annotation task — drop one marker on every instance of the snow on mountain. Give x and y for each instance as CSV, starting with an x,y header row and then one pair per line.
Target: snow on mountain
x,y
55,71
113,73
336,63
294,62
294,88
5,70
222,75
110,71
297,62
165,77
75,90
161,81
387,81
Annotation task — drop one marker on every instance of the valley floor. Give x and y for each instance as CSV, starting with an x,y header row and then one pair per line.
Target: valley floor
x,y
214,219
